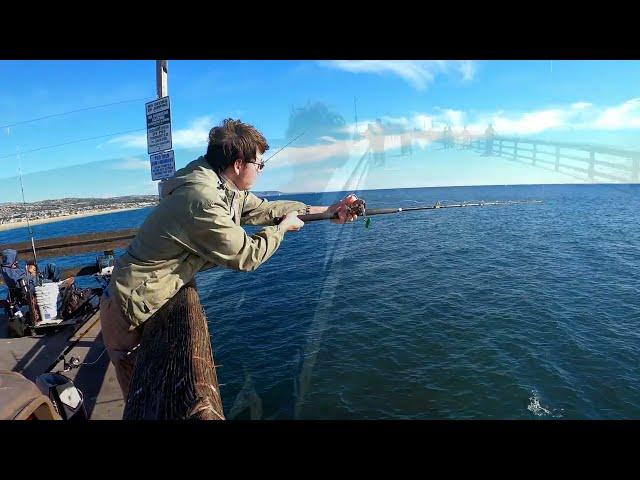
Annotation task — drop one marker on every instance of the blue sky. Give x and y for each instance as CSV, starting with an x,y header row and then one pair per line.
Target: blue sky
x,y
582,101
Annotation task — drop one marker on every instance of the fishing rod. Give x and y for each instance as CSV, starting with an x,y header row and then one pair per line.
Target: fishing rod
x,y
33,245
355,109
283,147
359,208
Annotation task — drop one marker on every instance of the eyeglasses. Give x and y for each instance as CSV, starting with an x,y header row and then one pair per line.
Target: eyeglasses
x,y
260,165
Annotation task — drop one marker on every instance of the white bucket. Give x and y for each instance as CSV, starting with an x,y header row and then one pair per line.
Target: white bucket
x,y
47,296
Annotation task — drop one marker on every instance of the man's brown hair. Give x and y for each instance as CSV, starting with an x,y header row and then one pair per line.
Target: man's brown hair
x,y
232,140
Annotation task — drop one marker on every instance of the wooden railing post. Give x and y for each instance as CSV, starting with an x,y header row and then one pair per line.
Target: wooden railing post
x,y
174,377
533,155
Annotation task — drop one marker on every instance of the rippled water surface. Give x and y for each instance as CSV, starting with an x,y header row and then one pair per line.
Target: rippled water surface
x,y
517,312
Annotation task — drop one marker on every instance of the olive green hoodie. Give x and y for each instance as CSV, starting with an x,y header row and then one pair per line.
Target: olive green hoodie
x,y
195,227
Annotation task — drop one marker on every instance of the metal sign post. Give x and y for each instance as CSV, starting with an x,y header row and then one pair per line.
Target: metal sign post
x,y
159,140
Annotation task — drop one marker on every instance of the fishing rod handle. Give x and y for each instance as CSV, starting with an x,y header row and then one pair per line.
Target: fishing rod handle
x,y
310,217
380,211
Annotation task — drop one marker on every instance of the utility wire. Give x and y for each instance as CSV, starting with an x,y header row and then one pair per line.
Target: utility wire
x,y
74,111
74,141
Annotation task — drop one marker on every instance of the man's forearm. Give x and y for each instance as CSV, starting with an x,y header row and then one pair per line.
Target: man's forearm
x,y
317,209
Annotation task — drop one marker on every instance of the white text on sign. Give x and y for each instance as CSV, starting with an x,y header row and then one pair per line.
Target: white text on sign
x,y
158,125
163,165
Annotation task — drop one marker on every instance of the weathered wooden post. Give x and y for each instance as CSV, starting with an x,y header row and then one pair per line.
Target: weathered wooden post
x,y
174,377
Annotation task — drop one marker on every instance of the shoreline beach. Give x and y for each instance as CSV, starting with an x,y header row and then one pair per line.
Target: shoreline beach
x,y
42,221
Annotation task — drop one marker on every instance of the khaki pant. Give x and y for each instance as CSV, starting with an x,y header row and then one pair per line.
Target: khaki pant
x,y
119,341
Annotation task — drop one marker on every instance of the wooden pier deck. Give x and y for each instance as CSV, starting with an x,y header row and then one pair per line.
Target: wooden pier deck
x,y
32,356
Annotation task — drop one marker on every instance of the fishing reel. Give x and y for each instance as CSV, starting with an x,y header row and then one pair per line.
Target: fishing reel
x,y
359,208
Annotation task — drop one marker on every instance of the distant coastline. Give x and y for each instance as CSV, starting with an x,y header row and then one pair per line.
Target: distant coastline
x,y
42,221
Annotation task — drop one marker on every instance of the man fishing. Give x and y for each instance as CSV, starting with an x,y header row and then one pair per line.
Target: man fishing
x,y
196,226
489,135
12,272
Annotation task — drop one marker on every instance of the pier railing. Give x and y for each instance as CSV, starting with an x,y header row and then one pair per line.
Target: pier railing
x,y
174,376
587,162
595,163
73,245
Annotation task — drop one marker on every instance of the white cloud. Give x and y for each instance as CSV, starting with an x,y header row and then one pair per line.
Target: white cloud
x,y
418,120
418,73
575,116
195,135
531,122
619,117
131,163
578,116
454,118
132,141
296,156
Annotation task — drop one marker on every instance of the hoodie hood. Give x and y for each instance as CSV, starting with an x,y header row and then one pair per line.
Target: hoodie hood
x,y
11,274
9,257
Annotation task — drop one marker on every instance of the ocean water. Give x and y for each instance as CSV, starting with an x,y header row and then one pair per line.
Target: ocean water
x,y
507,312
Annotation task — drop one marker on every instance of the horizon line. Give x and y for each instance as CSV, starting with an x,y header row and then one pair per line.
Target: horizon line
x,y
339,191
